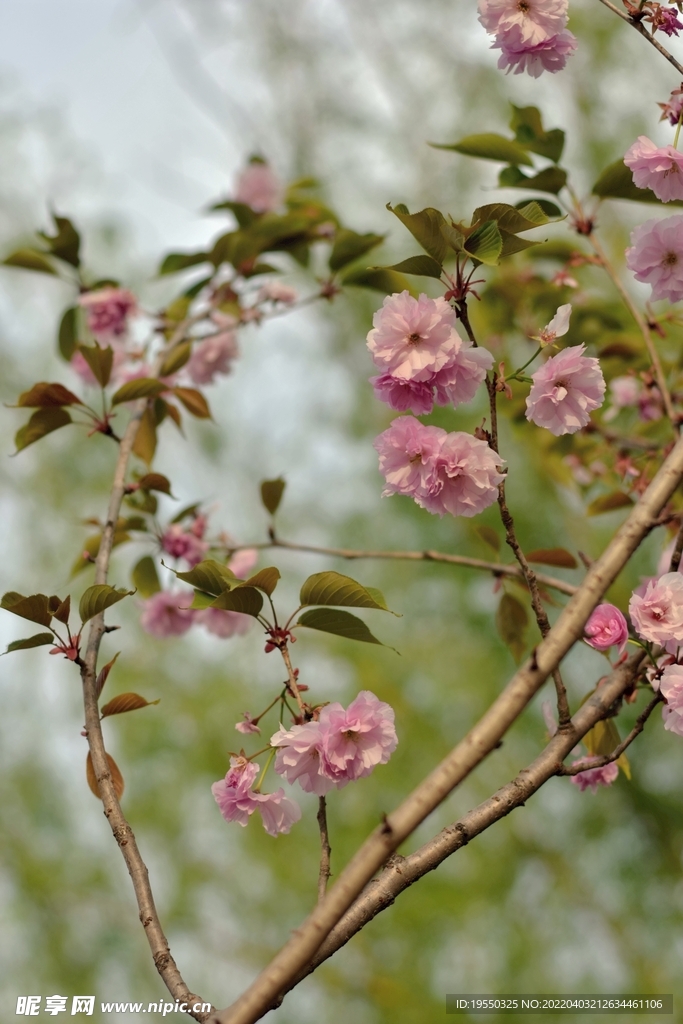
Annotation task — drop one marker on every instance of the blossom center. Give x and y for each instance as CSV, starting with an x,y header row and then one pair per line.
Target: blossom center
x,y
670,260
524,6
414,338
351,735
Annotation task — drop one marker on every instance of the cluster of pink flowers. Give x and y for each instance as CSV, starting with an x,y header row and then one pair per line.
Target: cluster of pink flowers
x,y
565,390
421,356
259,187
656,256
107,311
237,799
338,748
180,542
607,628
656,167
442,472
530,34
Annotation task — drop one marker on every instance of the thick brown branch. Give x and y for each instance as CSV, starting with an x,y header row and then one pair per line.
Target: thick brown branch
x,y
325,849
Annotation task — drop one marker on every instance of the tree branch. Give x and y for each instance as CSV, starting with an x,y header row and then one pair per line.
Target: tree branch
x,y
639,27
325,849
457,765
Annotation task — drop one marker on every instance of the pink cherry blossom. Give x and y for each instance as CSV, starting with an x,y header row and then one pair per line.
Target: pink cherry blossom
x,y
259,187
276,291
624,392
656,256
211,356
594,777
665,19
673,107
468,475
407,458
242,562
278,812
413,338
107,311
656,167
180,543
528,21
657,615
224,623
168,613
558,326
248,726
671,687
607,628
358,739
565,390
548,55
237,800
403,395
299,757
458,381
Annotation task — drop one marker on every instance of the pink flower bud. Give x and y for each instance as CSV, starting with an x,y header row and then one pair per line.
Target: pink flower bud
x,y
607,628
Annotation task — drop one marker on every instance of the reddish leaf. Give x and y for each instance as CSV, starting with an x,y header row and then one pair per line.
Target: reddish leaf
x,y
116,776
104,675
126,702
553,556
44,395
194,402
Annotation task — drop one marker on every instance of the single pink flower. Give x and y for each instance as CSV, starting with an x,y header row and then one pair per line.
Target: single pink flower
x,y
299,757
212,356
656,167
107,311
237,800
548,55
168,613
224,623
242,562
259,187
527,21
656,256
565,390
657,615
407,458
248,725
278,812
358,739
673,107
594,777
607,628
671,687
403,395
468,472
413,338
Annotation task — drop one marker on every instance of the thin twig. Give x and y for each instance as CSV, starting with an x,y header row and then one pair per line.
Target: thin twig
x,y
457,765
677,551
599,762
325,850
292,683
639,27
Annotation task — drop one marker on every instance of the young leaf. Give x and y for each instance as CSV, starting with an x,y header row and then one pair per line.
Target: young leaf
x,y
63,610
332,620
67,336
420,266
425,226
104,675
145,443
155,482
529,132
490,146
608,503
548,208
348,246
176,358
331,588
32,641
42,422
550,179
126,702
243,599
176,261
510,218
209,576
265,580
194,402
145,577
99,597
47,396
485,244
34,608
100,361
30,259
511,622
271,494
244,215
65,243
116,776
553,556
144,387
513,244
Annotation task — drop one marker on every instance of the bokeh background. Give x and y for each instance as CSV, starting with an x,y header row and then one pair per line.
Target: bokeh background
x,y
130,117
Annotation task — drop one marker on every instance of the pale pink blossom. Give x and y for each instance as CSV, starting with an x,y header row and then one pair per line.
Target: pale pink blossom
x,y
527,21
413,338
107,311
594,777
278,812
180,543
211,356
299,757
671,688
656,256
224,623
468,474
168,613
607,628
276,291
563,279
659,168
623,392
673,107
407,459
657,615
242,562
548,55
403,395
248,725
259,187
358,739
558,326
458,381
237,800
565,390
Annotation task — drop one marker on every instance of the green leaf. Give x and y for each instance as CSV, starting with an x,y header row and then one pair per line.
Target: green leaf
x,y
608,503
485,244
271,494
67,336
30,259
348,246
246,600
550,179
553,556
244,215
511,622
511,218
144,387
99,597
454,237
265,580
386,281
194,402
126,702
42,422
421,266
513,244
145,577
424,226
34,608
209,576
616,182
100,361
489,536
32,641
145,443
490,146
602,739
529,132
331,588
47,396
66,241
176,358
201,600
176,261
548,208
331,620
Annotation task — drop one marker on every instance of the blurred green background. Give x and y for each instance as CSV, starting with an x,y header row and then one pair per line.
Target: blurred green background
x,y
130,118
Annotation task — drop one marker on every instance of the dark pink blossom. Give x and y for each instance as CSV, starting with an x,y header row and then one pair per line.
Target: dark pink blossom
x,y
565,390
548,55
181,543
607,628
659,168
671,687
299,757
413,338
107,311
403,395
594,777
528,22
168,613
657,615
656,256
666,20
259,187
212,356
358,739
